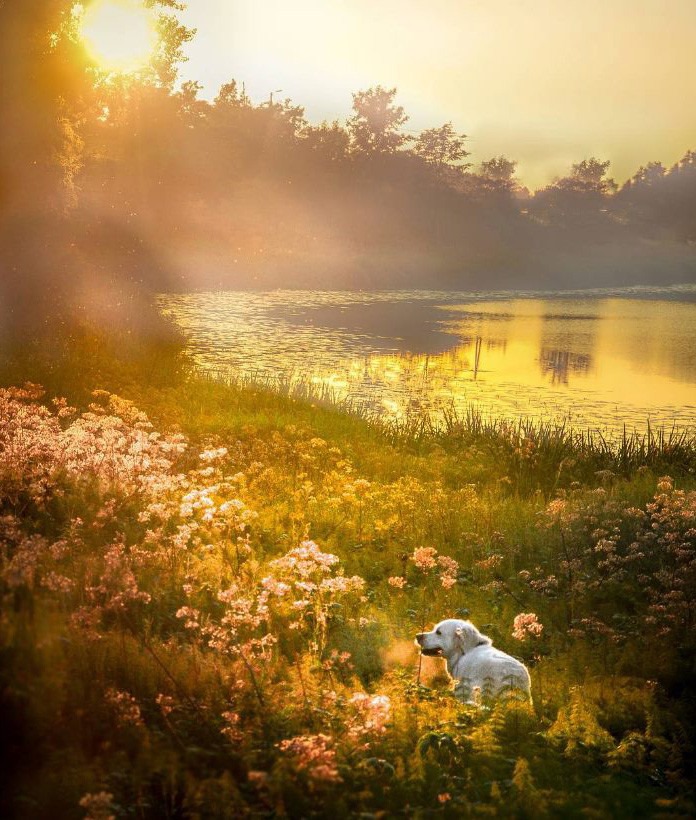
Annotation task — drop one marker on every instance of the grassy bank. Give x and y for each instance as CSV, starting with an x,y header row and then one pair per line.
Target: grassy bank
x,y
210,594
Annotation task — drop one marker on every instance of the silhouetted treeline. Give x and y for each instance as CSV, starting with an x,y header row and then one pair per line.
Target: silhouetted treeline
x,y
254,195
138,182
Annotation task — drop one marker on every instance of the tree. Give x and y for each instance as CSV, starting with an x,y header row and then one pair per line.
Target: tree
x,y
441,147
589,177
498,176
171,37
329,140
56,105
375,126
191,108
229,96
661,202
499,169
648,175
579,199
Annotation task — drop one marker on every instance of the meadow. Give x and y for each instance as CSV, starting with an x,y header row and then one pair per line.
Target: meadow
x,y
210,594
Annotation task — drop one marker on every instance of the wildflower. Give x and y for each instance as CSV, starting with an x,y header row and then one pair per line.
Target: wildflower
x,y
526,624
118,587
444,797
315,755
231,731
63,409
87,619
448,565
556,508
424,558
213,455
57,583
360,486
192,615
450,568
490,562
397,581
165,703
275,587
336,661
125,707
342,584
665,484
371,713
98,806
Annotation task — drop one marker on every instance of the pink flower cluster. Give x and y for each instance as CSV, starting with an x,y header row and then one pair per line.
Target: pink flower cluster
x,y
306,560
525,625
424,558
371,714
231,729
99,806
112,442
125,707
308,581
315,755
427,559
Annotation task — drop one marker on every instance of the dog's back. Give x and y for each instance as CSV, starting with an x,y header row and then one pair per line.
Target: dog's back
x,y
486,671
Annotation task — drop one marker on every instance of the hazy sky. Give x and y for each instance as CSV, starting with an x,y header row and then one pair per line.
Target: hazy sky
x,y
547,82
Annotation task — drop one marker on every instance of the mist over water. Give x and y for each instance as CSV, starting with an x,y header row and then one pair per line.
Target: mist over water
x,y
597,359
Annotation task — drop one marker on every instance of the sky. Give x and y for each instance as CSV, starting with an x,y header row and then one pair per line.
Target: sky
x,y
546,82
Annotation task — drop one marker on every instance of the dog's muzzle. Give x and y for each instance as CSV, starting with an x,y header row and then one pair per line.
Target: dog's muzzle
x,y
420,638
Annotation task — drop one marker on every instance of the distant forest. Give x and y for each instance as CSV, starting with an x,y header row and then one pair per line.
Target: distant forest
x,y
110,185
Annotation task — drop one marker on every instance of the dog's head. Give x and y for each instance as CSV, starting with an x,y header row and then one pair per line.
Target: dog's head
x,y
451,637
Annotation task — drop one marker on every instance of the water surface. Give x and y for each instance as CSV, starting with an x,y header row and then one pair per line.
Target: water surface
x,y
597,359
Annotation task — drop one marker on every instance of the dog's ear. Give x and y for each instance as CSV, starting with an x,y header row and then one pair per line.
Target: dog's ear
x,y
464,636
467,636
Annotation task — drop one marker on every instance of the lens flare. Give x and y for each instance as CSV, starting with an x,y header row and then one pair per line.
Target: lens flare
x,y
120,35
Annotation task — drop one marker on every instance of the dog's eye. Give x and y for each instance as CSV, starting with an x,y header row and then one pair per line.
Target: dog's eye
x,y
437,632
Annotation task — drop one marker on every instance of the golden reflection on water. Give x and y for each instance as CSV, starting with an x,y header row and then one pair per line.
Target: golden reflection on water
x,y
597,362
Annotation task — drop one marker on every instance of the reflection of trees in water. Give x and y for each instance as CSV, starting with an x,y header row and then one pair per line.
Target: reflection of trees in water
x,y
568,342
408,382
559,364
491,344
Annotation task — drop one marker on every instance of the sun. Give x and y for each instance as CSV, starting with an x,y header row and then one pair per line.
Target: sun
x,y
120,35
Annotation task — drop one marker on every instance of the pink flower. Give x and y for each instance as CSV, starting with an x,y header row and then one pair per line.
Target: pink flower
x,y
166,703
315,755
448,565
124,706
98,806
397,581
231,731
526,624
371,714
424,558
258,778
192,615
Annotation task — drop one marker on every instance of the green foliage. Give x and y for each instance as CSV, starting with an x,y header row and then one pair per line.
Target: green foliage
x,y
375,126
441,147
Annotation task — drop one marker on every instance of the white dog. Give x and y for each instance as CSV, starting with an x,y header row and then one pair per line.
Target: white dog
x,y
476,666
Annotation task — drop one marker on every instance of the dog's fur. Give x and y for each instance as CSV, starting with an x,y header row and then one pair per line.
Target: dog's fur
x,y
477,667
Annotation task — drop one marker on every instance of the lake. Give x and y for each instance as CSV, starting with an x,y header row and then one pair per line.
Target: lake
x,y
597,359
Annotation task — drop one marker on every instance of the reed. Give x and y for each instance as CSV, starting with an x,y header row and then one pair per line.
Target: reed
x,y
536,449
